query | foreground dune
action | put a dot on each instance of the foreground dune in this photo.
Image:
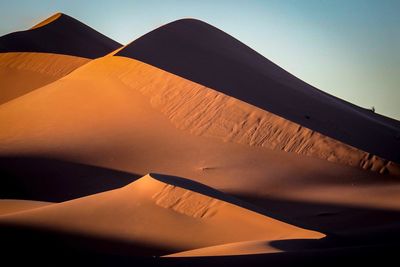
(229, 249)
(161, 211)
(15, 205)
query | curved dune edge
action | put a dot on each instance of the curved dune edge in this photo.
(192, 216)
(206, 112)
(47, 21)
(230, 249)
(8, 206)
(202, 53)
(60, 34)
(22, 72)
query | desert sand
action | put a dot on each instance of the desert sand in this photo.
(190, 214)
(48, 51)
(257, 182)
(21, 73)
(8, 206)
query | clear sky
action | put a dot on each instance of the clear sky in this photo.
(348, 48)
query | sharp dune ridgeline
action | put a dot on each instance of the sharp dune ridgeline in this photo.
(184, 147)
(47, 52)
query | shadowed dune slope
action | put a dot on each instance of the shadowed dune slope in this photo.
(161, 211)
(202, 53)
(60, 34)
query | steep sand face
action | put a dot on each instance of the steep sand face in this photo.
(206, 112)
(154, 210)
(20, 73)
(8, 206)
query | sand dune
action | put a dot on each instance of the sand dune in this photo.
(59, 34)
(229, 249)
(8, 206)
(204, 54)
(97, 117)
(192, 216)
(261, 168)
(46, 52)
(21, 73)
(102, 115)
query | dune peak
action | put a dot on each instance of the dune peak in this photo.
(59, 34)
(48, 20)
(206, 55)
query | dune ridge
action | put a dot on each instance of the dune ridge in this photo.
(21, 73)
(199, 52)
(8, 206)
(275, 172)
(59, 34)
(206, 112)
(47, 21)
(133, 213)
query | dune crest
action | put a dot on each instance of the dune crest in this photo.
(230, 249)
(201, 53)
(8, 206)
(48, 51)
(133, 213)
(20, 73)
(258, 145)
(206, 112)
(48, 20)
(60, 34)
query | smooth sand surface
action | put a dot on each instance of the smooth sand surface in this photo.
(8, 206)
(229, 249)
(21, 73)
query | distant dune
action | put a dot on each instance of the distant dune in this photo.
(59, 34)
(275, 170)
(202, 53)
(45, 53)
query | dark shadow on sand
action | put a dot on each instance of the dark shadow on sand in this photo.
(65, 35)
(56, 180)
(27, 245)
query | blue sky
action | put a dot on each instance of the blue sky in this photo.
(347, 48)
